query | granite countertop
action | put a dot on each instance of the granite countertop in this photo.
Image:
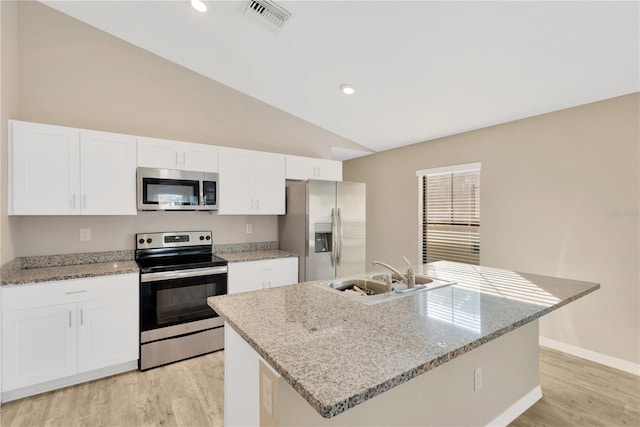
(317, 340)
(48, 268)
(255, 255)
(48, 274)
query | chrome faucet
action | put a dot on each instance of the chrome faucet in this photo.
(409, 278)
(396, 272)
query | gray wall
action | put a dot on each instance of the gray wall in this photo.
(34, 235)
(8, 108)
(62, 71)
(559, 196)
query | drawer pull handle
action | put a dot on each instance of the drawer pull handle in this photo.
(75, 292)
(81, 317)
(69, 318)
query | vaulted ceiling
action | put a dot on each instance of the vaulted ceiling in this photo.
(421, 69)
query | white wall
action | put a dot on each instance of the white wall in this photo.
(559, 196)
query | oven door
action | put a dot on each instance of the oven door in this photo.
(175, 297)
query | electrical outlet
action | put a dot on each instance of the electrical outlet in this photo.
(85, 234)
(477, 379)
(248, 228)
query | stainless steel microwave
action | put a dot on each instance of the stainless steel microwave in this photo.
(172, 189)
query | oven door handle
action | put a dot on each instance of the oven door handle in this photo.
(181, 274)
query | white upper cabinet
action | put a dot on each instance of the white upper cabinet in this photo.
(44, 169)
(167, 154)
(311, 168)
(108, 173)
(55, 170)
(251, 182)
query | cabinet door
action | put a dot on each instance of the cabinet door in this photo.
(284, 272)
(236, 181)
(245, 276)
(39, 344)
(199, 157)
(302, 168)
(269, 185)
(328, 170)
(107, 332)
(158, 153)
(44, 169)
(108, 173)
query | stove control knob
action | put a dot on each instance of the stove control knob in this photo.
(149, 240)
(201, 237)
(141, 241)
(208, 237)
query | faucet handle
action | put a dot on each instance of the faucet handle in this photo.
(410, 268)
(411, 275)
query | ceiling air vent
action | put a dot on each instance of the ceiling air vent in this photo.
(268, 11)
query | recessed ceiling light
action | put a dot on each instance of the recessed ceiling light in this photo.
(199, 5)
(347, 89)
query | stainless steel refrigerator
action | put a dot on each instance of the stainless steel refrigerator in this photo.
(325, 224)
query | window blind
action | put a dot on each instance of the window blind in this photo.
(451, 216)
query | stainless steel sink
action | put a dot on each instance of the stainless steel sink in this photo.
(372, 289)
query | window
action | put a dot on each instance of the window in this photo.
(450, 213)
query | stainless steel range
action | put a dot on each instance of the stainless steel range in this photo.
(178, 272)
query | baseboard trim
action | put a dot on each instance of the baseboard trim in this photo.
(518, 408)
(19, 393)
(603, 359)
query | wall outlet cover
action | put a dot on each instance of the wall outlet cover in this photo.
(85, 234)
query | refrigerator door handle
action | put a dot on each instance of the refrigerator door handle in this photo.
(339, 237)
(334, 230)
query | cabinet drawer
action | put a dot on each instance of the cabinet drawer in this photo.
(33, 295)
(261, 274)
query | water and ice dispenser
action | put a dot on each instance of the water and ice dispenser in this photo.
(323, 237)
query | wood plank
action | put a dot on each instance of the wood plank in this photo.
(576, 392)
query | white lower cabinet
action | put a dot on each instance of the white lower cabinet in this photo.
(39, 344)
(57, 330)
(105, 335)
(262, 274)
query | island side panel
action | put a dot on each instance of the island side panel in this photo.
(444, 395)
(241, 381)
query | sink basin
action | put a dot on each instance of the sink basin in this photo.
(373, 290)
(420, 279)
(368, 286)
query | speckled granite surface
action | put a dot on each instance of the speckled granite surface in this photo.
(245, 247)
(67, 266)
(255, 255)
(337, 352)
(45, 268)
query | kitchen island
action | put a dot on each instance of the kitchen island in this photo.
(463, 354)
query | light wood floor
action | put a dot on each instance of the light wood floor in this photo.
(190, 393)
(576, 392)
